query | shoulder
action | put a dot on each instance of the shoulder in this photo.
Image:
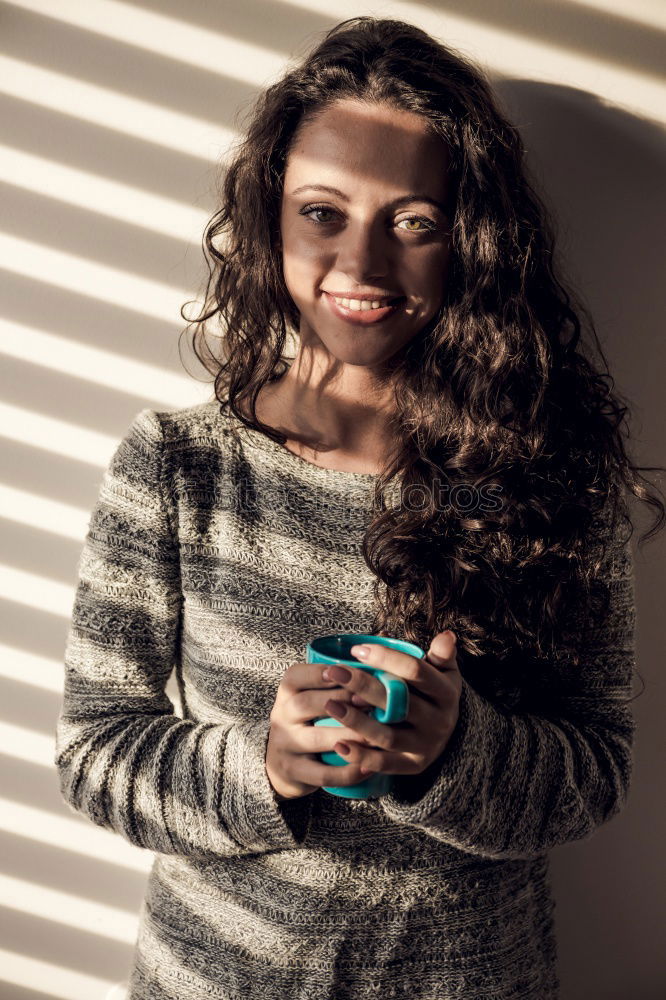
(195, 422)
(171, 446)
(610, 536)
(201, 426)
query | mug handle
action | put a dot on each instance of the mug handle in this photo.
(397, 699)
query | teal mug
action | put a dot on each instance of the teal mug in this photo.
(336, 649)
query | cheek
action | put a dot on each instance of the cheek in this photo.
(431, 277)
(299, 245)
(302, 263)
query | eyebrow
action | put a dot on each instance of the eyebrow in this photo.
(403, 200)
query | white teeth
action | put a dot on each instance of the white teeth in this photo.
(360, 305)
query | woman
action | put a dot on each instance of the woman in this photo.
(228, 534)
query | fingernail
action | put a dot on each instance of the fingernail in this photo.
(336, 709)
(360, 651)
(335, 673)
(342, 748)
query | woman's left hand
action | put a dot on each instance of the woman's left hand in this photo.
(408, 747)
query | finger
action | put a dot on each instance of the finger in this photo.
(319, 739)
(360, 682)
(442, 651)
(388, 737)
(305, 676)
(417, 672)
(418, 703)
(307, 705)
(379, 761)
(311, 771)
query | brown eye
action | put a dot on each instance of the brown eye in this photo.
(309, 209)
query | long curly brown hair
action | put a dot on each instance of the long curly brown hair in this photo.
(495, 395)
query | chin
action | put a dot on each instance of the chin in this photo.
(362, 356)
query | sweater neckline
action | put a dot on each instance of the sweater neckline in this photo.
(290, 459)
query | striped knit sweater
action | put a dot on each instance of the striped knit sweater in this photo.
(214, 550)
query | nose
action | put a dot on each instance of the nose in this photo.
(364, 252)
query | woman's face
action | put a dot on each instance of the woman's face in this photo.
(384, 231)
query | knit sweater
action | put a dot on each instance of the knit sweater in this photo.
(215, 551)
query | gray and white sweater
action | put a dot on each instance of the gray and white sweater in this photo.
(214, 550)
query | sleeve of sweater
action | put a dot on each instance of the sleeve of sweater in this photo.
(124, 758)
(515, 784)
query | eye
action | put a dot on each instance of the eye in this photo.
(309, 211)
(429, 226)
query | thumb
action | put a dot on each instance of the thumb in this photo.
(442, 651)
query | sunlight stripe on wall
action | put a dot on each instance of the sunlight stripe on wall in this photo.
(56, 436)
(121, 202)
(507, 53)
(166, 36)
(517, 56)
(107, 108)
(245, 61)
(66, 908)
(97, 281)
(28, 668)
(27, 744)
(38, 592)
(50, 980)
(58, 518)
(76, 834)
(92, 364)
(651, 13)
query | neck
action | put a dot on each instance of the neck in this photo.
(341, 407)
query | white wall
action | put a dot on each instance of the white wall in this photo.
(113, 117)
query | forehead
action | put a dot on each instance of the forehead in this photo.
(368, 145)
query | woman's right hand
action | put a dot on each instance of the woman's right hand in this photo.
(292, 762)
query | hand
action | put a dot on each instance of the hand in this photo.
(408, 747)
(292, 762)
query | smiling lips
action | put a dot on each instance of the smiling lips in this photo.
(362, 311)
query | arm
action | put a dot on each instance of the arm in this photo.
(124, 758)
(513, 785)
